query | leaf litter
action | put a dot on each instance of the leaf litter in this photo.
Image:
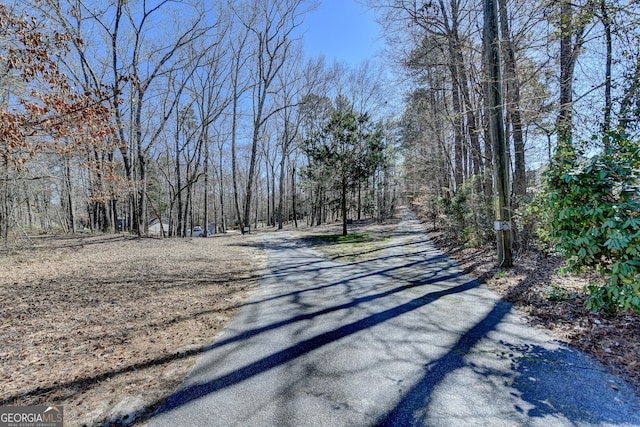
(105, 324)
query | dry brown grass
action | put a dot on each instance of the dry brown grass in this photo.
(106, 325)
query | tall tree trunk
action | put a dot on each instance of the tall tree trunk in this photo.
(566, 72)
(272, 219)
(513, 102)
(234, 165)
(488, 149)
(223, 223)
(179, 190)
(443, 158)
(293, 196)
(281, 187)
(118, 81)
(269, 195)
(205, 224)
(500, 160)
(460, 79)
(5, 206)
(606, 22)
(343, 205)
(141, 213)
(572, 30)
(457, 128)
(71, 217)
(472, 129)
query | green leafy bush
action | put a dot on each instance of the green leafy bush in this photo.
(531, 220)
(595, 218)
(470, 215)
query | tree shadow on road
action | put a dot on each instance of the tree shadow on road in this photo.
(411, 408)
(305, 346)
(543, 380)
(537, 370)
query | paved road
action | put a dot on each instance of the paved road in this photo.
(403, 338)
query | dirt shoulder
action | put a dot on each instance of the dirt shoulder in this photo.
(555, 301)
(106, 325)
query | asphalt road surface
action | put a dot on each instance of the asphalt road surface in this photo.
(403, 338)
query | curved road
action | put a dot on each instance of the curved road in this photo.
(403, 338)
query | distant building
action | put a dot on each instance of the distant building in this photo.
(155, 230)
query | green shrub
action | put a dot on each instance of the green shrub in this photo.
(532, 222)
(469, 214)
(595, 218)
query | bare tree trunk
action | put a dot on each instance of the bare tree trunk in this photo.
(252, 169)
(566, 71)
(281, 187)
(457, 129)
(272, 218)
(488, 149)
(570, 27)
(222, 193)
(71, 218)
(205, 224)
(5, 206)
(462, 105)
(293, 196)
(500, 160)
(178, 171)
(234, 165)
(513, 103)
(343, 205)
(606, 21)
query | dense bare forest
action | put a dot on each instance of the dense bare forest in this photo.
(194, 115)
(157, 117)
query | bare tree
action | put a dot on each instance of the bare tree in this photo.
(296, 84)
(512, 91)
(209, 88)
(239, 85)
(272, 26)
(572, 24)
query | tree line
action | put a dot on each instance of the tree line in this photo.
(570, 77)
(115, 114)
(121, 114)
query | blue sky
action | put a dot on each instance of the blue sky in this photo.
(342, 30)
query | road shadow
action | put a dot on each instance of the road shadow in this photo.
(411, 408)
(537, 371)
(303, 347)
(413, 281)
